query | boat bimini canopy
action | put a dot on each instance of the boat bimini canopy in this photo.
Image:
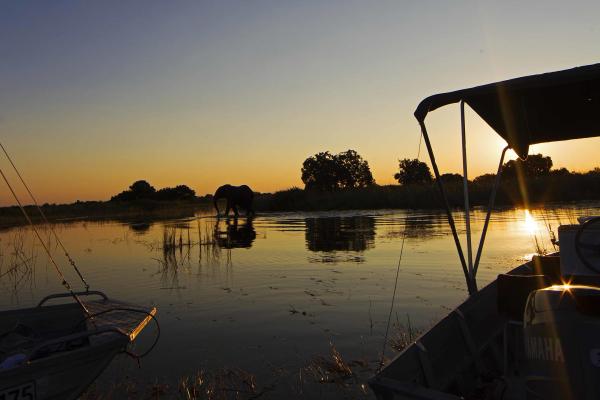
(534, 109)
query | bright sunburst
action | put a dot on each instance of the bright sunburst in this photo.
(531, 225)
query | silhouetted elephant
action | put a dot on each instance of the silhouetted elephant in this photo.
(236, 196)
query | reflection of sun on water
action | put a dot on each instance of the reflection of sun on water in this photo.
(534, 228)
(531, 225)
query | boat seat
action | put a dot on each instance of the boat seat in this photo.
(17, 340)
(22, 330)
(513, 291)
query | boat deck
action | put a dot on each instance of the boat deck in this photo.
(462, 353)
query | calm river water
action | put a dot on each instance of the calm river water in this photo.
(272, 295)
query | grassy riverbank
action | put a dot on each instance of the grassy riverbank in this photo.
(540, 190)
(101, 210)
(553, 188)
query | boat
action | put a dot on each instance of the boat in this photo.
(534, 332)
(61, 350)
(55, 350)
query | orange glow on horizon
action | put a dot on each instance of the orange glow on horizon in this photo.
(209, 93)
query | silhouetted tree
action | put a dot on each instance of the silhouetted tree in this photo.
(485, 179)
(126, 195)
(138, 190)
(412, 171)
(534, 165)
(327, 172)
(142, 189)
(560, 172)
(353, 171)
(451, 179)
(179, 192)
(319, 172)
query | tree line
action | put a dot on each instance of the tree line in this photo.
(344, 181)
(348, 170)
(142, 190)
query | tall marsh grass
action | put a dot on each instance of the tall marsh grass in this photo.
(18, 257)
(178, 245)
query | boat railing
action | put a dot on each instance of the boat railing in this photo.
(63, 295)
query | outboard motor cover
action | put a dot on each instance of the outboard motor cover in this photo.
(562, 343)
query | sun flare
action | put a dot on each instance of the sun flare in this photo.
(531, 225)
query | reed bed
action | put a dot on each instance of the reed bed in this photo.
(177, 244)
(224, 384)
(176, 237)
(331, 368)
(403, 336)
(17, 261)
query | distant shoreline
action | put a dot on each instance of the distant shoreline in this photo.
(555, 188)
(142, 210)
(542, 190)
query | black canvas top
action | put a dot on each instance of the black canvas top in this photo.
(541, 108)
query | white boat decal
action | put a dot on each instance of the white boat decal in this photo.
(544, 348)
(25, 391)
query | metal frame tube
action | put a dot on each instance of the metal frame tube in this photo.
(489, 212)
(471, 285)
(466, 191)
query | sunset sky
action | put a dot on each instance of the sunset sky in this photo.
(96, 95)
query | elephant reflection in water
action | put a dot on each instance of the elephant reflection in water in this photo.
(236, 235)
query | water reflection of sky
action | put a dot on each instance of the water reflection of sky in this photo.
(273, 291)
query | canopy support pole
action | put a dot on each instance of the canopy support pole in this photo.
(466, 192)
(470, 283)
(489, 211)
